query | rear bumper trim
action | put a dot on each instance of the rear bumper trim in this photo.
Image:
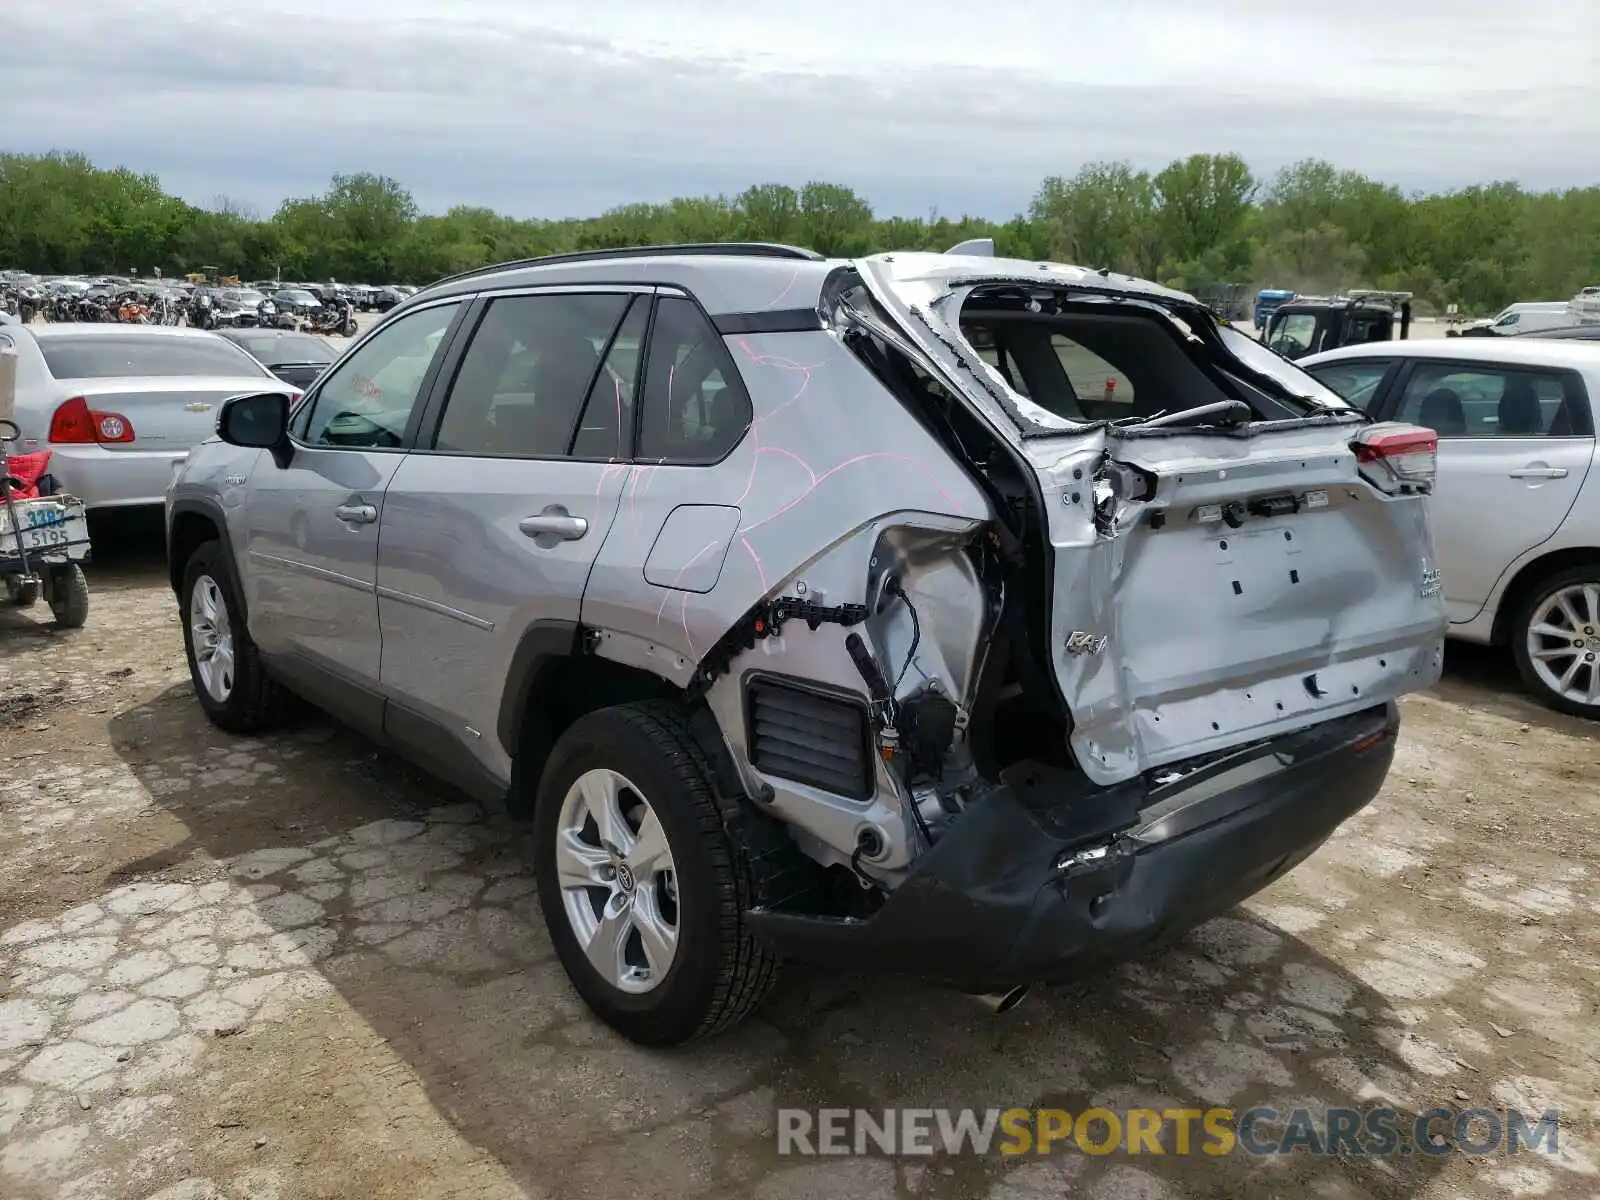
(1044, 877)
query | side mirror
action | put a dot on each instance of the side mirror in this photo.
(259, 422)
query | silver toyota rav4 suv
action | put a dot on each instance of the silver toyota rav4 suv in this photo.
(939, 614)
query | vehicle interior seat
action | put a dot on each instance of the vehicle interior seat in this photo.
(1442, 412)
(1520, 410)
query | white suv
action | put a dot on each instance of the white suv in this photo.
(1516, 511)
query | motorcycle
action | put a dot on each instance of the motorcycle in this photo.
(337, 318)
(270, 316)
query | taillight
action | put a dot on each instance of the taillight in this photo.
(75, 423)
(1399, 457)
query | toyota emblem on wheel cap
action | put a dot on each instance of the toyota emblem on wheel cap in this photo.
(625, 879)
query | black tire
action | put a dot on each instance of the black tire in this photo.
(21, 595)
(68, 592)
(255, 702)
(1522, 619)
(728, 858)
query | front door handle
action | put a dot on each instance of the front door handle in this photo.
(1540, 473)
(361, 514)
(554, 521)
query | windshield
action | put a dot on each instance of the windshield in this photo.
(293, 296)
(113, 357)
(1264, 362)
(290, 348)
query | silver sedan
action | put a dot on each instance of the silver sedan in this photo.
(118, 405)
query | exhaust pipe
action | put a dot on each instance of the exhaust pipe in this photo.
(999, 1003)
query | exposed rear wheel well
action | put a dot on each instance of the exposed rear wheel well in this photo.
(1527, 579)
(565, 687)
(190, 531)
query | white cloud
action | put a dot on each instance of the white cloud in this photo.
(539, 108)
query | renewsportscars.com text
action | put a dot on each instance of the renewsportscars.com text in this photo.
(1374, 1132)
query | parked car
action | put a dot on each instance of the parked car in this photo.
(386, 298)
(1517, 512)
(295, 358)
(297, 302)
(817, 632)
(119, 404)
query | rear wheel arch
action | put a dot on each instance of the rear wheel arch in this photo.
(553, 682)
(1528, 579)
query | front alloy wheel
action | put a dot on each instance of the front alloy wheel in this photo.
(1558, 642)
(230, 681)
(618, 881)
(212, 638)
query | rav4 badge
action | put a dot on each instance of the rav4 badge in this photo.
(1079, 642)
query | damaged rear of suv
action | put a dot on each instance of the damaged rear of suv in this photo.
(973, 619)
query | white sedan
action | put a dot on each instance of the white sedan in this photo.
(117, 405)
(1516, 509)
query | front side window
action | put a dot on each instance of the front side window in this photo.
(1492, 401)
(526, 374)
(1104, 393)
(695, 407)
(366, 401)
(1295, 334)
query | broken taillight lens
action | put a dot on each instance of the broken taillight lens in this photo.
(1398, 457)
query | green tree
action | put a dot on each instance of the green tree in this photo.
(1200, 220)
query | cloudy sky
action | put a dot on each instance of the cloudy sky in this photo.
(546, 108)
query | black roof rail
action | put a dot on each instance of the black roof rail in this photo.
(728, 249)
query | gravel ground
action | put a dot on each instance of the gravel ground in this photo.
(289, 967)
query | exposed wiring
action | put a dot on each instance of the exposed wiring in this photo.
(894, 588)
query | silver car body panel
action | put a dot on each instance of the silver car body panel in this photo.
(1488, 523)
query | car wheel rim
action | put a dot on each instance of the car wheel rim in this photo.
(618, 881)
(1564, 643)
(212, 637)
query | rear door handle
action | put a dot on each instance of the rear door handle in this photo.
(361, 514)
(554, 521)
(1540, 473)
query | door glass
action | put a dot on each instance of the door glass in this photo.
(1104, 393)
(1294, 334)
(524, 377)
(1356, 381)
(1488, 401)
(695, 406)
(606, 431)
(366, 400)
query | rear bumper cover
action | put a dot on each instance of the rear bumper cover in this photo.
(115, 478)
(1045, 876)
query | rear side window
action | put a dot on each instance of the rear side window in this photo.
(89, 357)
(1485, 401)
(695, 407)
(1355, 381)
(527, 373)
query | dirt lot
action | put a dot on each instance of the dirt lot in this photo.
(289, 967)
